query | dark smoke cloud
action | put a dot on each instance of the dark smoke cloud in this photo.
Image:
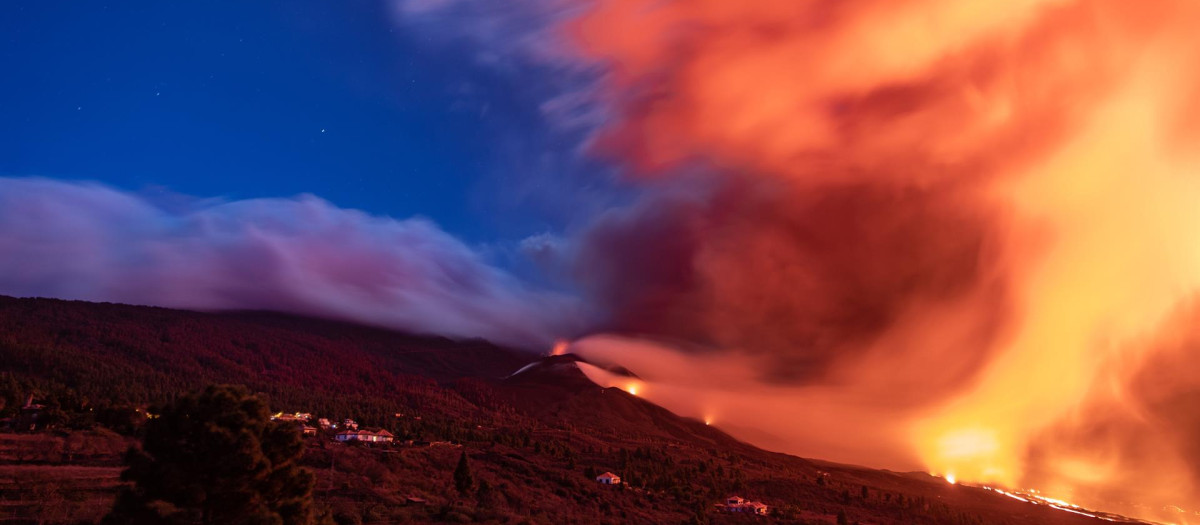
(303, 255)
(782, 211)
(807, 278)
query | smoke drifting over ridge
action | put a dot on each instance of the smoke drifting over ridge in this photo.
(302, 255)
(934, 234)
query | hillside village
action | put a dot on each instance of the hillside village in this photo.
(348, 432)
(31, 421)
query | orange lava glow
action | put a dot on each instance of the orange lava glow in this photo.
(560, 347)
(1040, 332)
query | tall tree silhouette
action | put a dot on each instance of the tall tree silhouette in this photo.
(216, 457)
(462, 475)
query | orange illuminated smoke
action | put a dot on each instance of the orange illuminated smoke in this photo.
(1003, 200)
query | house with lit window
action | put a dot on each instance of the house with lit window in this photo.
(365, 436)
(608, 478)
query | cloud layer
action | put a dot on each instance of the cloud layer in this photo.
(304, 255)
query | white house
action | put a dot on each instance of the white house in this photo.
(608, 478)
(737, 504)
(365, 436)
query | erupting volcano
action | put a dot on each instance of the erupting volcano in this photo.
(934, 234)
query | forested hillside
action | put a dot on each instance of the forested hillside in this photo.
(533, 442)
(83, 355)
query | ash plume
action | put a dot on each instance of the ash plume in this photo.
(938, 231)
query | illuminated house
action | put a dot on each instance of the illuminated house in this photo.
(298, 416)
(608, 478)
(737, 504)
(365, 436)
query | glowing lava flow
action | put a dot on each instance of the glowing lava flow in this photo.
(1034, 497)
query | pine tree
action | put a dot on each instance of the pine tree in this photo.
(462, 475)
(216, 457)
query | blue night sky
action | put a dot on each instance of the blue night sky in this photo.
(240, 100)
